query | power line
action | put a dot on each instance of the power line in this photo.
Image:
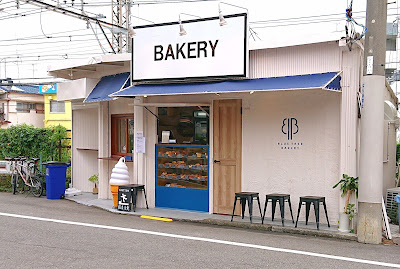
(17, 15)
(105, 4)
(60, 41)
(65, 55)
(45, 50)
(48, 37)
(304, 23)
(29, 62)
(37, 36)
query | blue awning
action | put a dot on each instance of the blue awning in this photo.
(327, 81)
(108, 85)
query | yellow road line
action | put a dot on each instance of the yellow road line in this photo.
(155, 218)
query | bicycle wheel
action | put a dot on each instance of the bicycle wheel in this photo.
(14, 183)
(19, 184)
(36, 187)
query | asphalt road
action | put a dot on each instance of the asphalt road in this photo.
(68, 235)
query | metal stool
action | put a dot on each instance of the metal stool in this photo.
(134, 190)
(281, 198)
(249, 196)
(316, 200)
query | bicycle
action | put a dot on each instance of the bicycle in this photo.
(38, 173)
(23, 177)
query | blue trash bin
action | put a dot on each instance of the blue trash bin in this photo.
(397, 198)
(56, 175)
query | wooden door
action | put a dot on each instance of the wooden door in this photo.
(227, 154)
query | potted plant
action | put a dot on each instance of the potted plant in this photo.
(352, 215)
(95, 180)
(348, 185)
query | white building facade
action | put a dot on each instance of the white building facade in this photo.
(294, 140)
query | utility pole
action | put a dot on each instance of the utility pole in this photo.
(369, 227)
(121, 12)
(117, 30)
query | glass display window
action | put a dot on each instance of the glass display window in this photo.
(186, 125)
(182, 167)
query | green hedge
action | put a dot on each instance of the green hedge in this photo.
(398, 153)
(27, 140)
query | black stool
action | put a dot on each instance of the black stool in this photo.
(249, 196)
(281, 198)
(134, 190)
(316, 200)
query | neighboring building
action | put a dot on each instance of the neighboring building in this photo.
(56, 112)
(391, 52)
(20, 104)
(292, 127)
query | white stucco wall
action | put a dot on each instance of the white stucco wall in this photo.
(84, 147)
(312, 168)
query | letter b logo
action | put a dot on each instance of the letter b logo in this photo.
(290, 127)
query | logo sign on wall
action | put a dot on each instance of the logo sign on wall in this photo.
(206, 50)
(48, 88)
(290, 127)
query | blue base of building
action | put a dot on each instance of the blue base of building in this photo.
(182, 198)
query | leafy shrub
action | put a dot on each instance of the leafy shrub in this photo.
(393, 214)
(26, 140)
(5, 183)
(398, 153)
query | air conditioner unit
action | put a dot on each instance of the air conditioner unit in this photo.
(391, 203)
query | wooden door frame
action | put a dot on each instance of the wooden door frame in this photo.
(215, 146)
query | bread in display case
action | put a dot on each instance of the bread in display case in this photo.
(182, 166)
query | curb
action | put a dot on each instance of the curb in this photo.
(243, 225)
(277, 229)
(250, 226)
(319, 233)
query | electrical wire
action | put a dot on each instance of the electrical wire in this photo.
(45, 50)
(29, 62)
(41, 26)
(351, 22)
(17, 15)
(326, 18)
(41, 37)
(50, 42)
(65, 55)
(72, 7)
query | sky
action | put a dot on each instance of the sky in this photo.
(35, 39)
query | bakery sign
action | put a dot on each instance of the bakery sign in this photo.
(207, 49)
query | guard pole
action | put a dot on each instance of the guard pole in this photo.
(369, 227)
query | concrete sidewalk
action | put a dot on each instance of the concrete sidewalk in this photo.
(90, 199)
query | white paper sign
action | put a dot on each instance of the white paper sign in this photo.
(140, 144)
(207, 49)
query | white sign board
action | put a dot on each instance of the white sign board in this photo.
(140, 146)
(207, 49)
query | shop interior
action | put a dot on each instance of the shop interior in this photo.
(183, 125)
